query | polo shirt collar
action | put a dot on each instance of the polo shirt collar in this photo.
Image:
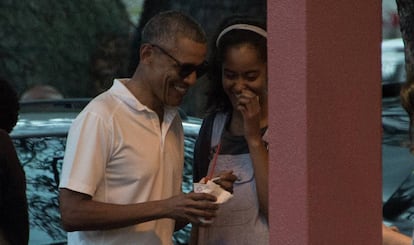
(122, 92)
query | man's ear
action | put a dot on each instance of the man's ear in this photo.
(146, 53)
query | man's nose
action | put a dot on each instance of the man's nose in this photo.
(191, 79)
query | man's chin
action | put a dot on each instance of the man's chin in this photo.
(174, 103)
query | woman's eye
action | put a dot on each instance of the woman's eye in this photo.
(230, 75)
(251, 76)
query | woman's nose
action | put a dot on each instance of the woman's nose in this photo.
(239, 86)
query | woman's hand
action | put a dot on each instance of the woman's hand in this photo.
(249, 106)
(226, 180)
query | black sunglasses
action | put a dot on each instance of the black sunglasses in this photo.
(185, 69)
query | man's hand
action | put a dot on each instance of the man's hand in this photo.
(192, 206)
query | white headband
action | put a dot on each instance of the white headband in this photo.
(247, 27)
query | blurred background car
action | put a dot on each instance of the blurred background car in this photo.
(397, 160)
(397, 167)
(392, 66)
(40, 138)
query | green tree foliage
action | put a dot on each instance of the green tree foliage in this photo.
(56, 42)
(406, 14)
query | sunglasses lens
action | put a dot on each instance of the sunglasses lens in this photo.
(186, 70)
(200, 70)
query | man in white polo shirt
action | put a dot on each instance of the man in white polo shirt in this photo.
(122, 171)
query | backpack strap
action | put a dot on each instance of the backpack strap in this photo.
(208, 137)
(218, 126)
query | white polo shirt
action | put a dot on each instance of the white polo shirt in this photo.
(118, 153)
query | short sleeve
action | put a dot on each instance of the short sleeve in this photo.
(87, 152)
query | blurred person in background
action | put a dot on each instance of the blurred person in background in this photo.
(14, 221)
(41, 92)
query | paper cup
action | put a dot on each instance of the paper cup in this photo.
(202, 188)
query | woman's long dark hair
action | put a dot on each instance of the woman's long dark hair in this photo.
(407, 102)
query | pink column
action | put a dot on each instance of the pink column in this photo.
(325, 121)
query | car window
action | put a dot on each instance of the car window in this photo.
(41, 158)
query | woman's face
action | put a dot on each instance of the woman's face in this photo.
(244, 71)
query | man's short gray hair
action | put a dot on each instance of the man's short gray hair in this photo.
(166, 27)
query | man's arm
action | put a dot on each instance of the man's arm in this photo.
(80, 212)
(392, 237)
